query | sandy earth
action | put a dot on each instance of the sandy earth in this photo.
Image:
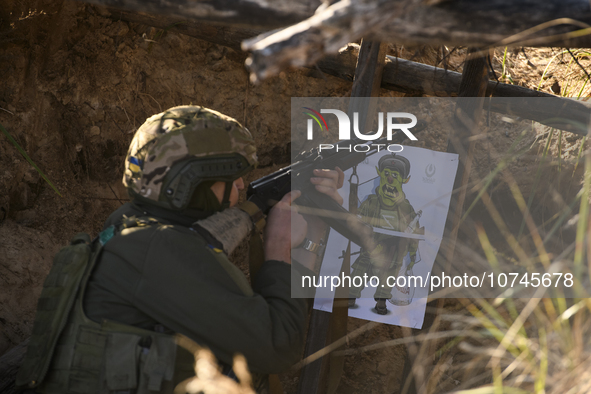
(76, 84)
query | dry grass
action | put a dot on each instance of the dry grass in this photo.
(208, 377)
(536, 345)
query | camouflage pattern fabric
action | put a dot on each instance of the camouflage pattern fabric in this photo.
(178, 134)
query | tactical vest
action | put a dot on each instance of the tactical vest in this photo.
(69, 353)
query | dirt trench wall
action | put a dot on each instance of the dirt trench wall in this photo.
(25, 256)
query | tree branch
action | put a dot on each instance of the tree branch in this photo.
(482, 23)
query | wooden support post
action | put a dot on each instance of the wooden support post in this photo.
(311, 379)
(368, 77)
(467, 115)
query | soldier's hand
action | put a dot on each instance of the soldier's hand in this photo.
(328, 182)
(285, 229)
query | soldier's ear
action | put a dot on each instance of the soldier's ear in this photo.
(406, 180)
(378, 171)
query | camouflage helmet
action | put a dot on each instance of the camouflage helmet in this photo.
(176, 150)
(397, 162)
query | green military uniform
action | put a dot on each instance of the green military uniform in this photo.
(108, 311)
(389, 260)
(167, 275)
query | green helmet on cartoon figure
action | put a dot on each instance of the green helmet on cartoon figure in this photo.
(176, 150)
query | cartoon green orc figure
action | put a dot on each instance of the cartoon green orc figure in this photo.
(389, 209)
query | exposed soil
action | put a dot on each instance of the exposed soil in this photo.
(75, 85)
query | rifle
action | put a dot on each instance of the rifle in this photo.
(268, 190)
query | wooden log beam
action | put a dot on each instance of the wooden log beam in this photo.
(410, 77)
(399, 74)
(254, 13)
(482, 23)
(435, 22)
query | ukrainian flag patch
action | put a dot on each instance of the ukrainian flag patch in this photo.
(217, 250)
(134, 164)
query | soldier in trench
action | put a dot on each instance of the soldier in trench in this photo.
(160, 269)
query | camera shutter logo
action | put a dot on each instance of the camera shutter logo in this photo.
(430, 170)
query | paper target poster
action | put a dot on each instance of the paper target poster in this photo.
(405, 197)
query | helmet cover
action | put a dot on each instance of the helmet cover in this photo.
(165, 146)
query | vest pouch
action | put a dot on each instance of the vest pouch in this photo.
(136, 364)
(122, 355)
(53, 308)
(158, 365)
